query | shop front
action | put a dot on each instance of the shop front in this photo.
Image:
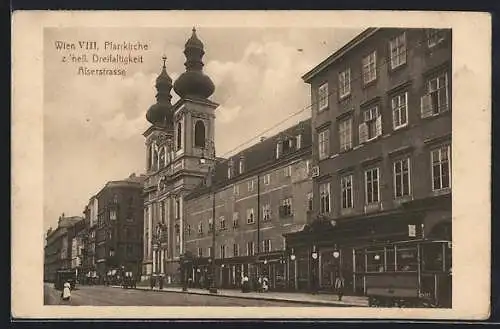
(329, 248)
(273, 266)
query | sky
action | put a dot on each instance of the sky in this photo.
(93, 125)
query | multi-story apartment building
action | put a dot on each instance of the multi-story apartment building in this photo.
(57, 251)
(76, 238)
(88, 236)
(118, 231)
(260, 193)
(381, 122)
(175, 141)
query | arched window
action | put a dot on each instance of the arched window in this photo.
(162, 157)
(179, 136)
(155, 157)
(199, 134)
(149, 153)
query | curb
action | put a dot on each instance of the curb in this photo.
(292, 301)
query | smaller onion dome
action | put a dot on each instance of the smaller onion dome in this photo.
(160, 114)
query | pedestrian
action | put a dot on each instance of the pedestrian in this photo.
(265, 284)
(339, 285)
(152, 282)
(244, 283)
(161, 282)
(66, 293)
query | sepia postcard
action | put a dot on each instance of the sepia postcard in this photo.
(251, 164)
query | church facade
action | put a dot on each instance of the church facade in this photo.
(176, 140)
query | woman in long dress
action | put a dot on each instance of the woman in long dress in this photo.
(66, 293)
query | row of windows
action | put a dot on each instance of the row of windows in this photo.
(397, 57)
(285, 210)
(434, 102)
(250, 249)
(441, 179)
(266, 179)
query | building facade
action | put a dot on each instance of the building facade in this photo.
(256, 195)
(381, 123)
(175, 142)
(118, 230)
(88, 239)
(57, 250)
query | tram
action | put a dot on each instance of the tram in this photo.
(415, 273)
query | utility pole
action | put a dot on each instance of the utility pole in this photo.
(258, 222)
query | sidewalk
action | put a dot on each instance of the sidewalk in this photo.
(292, 297)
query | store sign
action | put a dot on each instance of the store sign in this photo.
(412, 231)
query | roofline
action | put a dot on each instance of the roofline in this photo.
(339, 53)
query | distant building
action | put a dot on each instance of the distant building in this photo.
(57, 250)
(117, 233)
(382, 126)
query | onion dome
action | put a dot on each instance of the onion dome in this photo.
(160, 114)
(194, 83)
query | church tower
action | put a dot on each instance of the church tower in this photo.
(180, 135)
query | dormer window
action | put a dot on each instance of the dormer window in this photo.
(298, 141)
(229, 172)
(242, 165)
(279, 148)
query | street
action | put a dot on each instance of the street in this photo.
(108, 296)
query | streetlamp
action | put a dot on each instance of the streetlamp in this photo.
(211, 173)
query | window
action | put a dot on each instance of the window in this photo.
(250, 248)
(188, 230)
(236, 189)
(371, 127)
(199, 134)
(298, 141)
(310, 201)
(229, 172)
(250, 185)
(266, 212)
(250, 217)
(200, 228)
(236, 250)
(370, 67)
(210, 225)
(441, 169)
(279, 145)
(402, 178)
(222, 222)
(323, 97)
(223, 251)
(242, 165)
(266, 245)
(436, 99)
(287, 171)
(200, 252)
(177, 208)
(346, 187)
(162, 212)
(130, 249)
(398, 50)
(267, 179)
(162, 157)
(323, 144)
(112, 215)
(324, 201)
(345, 134)
(434, 37)
(344, 83)
(372, 185)
(179, 136)
(400, 111)
(210, 252)
(406, 259)
(286, 207)
(236, 219)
